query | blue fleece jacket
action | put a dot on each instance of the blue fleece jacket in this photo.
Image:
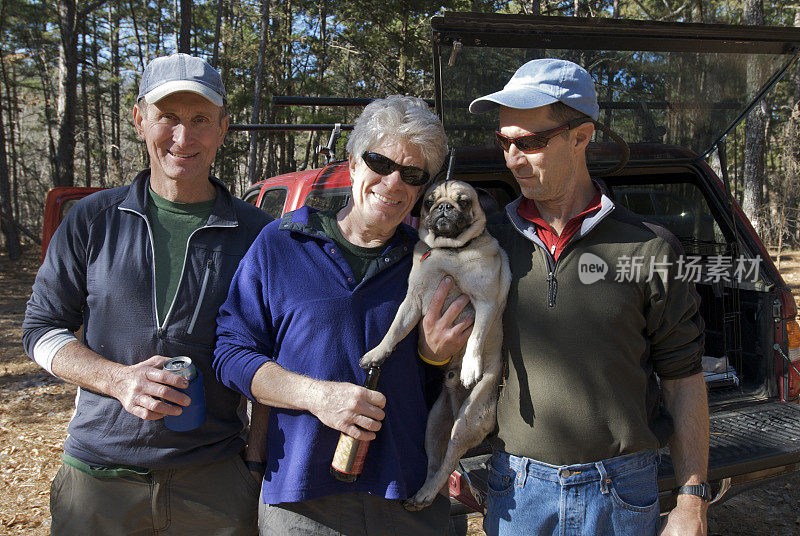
(294, 300)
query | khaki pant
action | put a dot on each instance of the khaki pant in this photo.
(353, 514)
(215, 499)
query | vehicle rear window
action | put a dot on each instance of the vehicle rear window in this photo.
(273, 201)
(66, 206)
(251, 196)
(684, 99)
(680, 207)
(330, 199)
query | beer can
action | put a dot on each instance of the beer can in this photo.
(182, 366)
(194, 414)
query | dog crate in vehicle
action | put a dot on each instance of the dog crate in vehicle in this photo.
(710, 259)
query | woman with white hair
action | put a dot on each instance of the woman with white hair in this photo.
(313, 294)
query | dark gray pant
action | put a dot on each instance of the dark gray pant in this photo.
(353, 514)
(216, 499)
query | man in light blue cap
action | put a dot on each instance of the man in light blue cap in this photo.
(579, 419)
(144, 269)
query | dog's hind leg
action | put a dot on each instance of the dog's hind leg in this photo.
(408, 315)
(440, 421)
(474, 422)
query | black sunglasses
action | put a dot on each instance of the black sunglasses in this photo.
(529, 143)
(382, 165)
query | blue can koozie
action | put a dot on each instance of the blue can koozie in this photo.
(194, 415)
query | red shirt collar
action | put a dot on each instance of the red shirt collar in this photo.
(555, 243)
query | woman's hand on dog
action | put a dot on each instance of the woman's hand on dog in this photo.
(439, 337)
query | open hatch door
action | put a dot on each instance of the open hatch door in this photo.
(680, 85)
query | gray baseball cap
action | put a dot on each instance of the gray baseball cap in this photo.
(181, 72)
(542, 82)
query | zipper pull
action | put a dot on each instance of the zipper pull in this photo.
(552, 288)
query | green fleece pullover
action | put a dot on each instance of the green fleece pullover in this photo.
(582, 348)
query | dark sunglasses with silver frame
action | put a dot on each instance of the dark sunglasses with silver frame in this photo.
(382, 165)
(529, 143)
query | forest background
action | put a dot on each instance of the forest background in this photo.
(69, 74)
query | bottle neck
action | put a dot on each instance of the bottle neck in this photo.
(372, 378)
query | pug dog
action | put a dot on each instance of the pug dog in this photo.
(454, 241)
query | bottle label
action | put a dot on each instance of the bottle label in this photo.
(349, 455)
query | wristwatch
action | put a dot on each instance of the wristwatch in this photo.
(702, 490)
(258, 467)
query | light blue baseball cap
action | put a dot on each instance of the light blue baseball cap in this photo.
(181, 72)
(542, 82)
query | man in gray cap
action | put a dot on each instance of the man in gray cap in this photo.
(579, 420)
(144, 268)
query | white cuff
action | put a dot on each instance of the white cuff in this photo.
(49, 344)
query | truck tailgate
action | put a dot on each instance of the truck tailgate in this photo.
(748, 443)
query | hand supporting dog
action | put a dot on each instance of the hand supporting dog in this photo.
(440, 336)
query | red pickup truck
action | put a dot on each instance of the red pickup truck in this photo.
(674, 92)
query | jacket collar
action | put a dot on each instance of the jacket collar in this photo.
(528, 228)
(403, 239)
(223, 213)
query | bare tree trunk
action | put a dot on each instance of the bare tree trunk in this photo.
(67, 92)
(15, 142)
(13, 119)
(8, 228)
(792, 153)
(177, 17)
(47, 91)
(736, 169)
(697, 11)
(116, 158)
(217, 29)
(159, 29)
(142, 58)
(87, 147)
(754, 133)
(100, 141)
(184, 40)
(255, 116)
(403, 60)
(288, 151)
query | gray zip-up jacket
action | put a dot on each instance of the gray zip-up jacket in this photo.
(99, 273)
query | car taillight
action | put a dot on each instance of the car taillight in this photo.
(793, 335)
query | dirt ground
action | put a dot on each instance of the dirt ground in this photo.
(35, 409)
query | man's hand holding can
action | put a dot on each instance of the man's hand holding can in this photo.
(148, 391)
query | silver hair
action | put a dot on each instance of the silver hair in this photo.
(404, 120)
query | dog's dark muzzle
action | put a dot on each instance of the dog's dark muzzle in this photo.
(447, 221)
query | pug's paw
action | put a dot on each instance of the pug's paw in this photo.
(374, 358)
(419, 501)
(470, 372)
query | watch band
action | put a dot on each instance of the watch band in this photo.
(702, 490)
(258, 467)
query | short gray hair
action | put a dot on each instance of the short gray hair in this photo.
(401, 119)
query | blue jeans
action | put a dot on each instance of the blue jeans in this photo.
(613, 497)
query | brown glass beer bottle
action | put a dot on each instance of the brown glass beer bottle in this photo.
(348, 460)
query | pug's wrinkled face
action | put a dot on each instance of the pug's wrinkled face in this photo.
(451, 208)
